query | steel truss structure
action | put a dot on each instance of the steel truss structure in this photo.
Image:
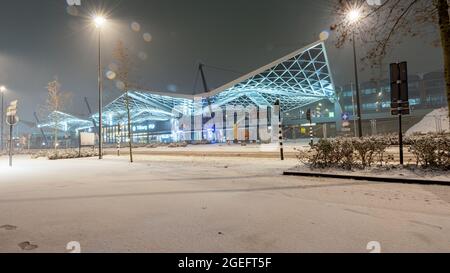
(65, 122)
(298, 79)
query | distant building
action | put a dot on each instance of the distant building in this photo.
(426, 93)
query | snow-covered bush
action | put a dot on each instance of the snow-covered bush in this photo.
(152, 146)
(368, 149)
(65, 154)
(346, 153)
(431, 150)
(39, 154)
(177, 145)
(325, 153)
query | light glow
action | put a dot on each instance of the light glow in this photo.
(99, 21)
(354, 15)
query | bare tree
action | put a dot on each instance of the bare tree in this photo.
(121, 56)
(56, 102)
(384, 23)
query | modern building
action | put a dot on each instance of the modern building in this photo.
(297, 80)
(426, 93)
(61, 127)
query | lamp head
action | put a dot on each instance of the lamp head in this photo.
(2, 88)
(354, 15)
(99, 21)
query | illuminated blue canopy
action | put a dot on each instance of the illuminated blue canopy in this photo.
(65, 122)
(298, 79)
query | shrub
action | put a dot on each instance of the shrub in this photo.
(431, 151)
(346, 153)
(178, 145)
(65, 154)
(325, 154)
(369, 148)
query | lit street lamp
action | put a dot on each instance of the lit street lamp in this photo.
(353, 16)
(99, 22)
(2, 91)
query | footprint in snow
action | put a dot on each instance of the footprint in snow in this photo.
(27, 246)
(8, 227)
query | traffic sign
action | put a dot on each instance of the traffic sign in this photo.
(399, 98)
(345, 116)
(399, 89)
(12, 120)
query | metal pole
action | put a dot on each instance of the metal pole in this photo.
(100, 98)
(400, 137)
(2, 135)
(10, 144)
(358, 101)
(355, 129)
(280, 129)
(118, 140)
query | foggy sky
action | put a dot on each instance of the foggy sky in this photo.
(40, 40)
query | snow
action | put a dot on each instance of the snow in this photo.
(210, 204)
(432, 122)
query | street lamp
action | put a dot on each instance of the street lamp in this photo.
(353, 16)
(2, 117)
(99, 22)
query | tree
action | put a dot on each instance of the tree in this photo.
(384, 22)
(56, 102)
(122, 72)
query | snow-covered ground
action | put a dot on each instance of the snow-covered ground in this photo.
(210, 204)
(395, 172)
(435, 121)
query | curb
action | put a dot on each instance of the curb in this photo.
(370, 178)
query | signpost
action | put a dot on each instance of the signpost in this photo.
(86, 140)
(345, 122)
(11, 119)
(311, 130)
(118, 138)
(280, 129)
(399, 97)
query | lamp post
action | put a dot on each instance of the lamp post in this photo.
(99, 21)
(2, 136)
(353, 16)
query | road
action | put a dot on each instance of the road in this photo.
(210, 204)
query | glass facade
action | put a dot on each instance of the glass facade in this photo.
(297, 81)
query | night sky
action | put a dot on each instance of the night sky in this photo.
(40, 40)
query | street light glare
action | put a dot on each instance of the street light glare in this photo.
(99, 21)
(354, 15)
(2, 88)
